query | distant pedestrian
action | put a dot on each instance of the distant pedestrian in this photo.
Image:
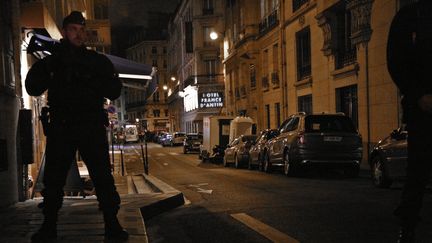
(409, 58)
(77, 81)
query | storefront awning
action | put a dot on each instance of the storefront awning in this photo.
(144, 75)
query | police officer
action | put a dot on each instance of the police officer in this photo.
(409, 59)
(77, 81)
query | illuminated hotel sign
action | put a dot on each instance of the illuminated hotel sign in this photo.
(210, 100)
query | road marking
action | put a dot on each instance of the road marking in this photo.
(165, 164)
(198, 185)
(263, 229)
(173, 153)
(160, 154)
(200, 190)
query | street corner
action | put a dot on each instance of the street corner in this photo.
(168, 198)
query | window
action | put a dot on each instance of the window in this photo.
(164, 63)
(7, 62)
(100, 10)
(292, 125)
(346, 51)
(154, 63)
(278, 114)
(189, 36)
(346, 102)
(298, 3)
(154, 50)
(166, 113)
(305, 104)
(210, 66)
(156, 97)
(156, 113)
(252, 75)
(164, 50)
(267, 112)
(208, 7)
(303, 47)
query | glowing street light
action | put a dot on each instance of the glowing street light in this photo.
(165, 87)
(173, 78)
(214, 35)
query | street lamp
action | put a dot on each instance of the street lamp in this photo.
(214, 35)
(165, 87)
(173, 78)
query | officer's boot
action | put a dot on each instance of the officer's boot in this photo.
(48, 230)
(113, 229)
(406, 234)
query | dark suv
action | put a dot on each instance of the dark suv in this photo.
(328, 140)
(192, 142)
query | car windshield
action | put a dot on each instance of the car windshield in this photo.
(329, 123)
(248, 138)
(194, 137)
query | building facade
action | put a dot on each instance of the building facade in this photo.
(283, 57)
(152, 114)
(195, 63)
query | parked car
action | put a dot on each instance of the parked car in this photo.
(177, 138)
(192, 142)
(257, 151)
(388, 159)
(166, 140)
(327, 140)
(237, 151)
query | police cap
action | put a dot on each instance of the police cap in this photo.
(74, 17)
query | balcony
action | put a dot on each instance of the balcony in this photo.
(204, 79)
(132, 105)
(346, 58)
(269, 22)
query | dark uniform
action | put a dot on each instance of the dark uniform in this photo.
(409, 58)
(77, 81)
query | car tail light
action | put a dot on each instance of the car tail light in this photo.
(301, 138)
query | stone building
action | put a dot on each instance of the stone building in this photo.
(195, 63)
(152, 113)
(11, 166)
(284, 57)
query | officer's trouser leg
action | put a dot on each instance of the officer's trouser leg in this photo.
(96, 156)
(418, 173)
(59, 156)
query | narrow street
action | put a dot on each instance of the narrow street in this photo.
(241, 205)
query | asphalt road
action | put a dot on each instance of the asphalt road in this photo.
(240, 205)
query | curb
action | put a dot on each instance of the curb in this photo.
(173, 199)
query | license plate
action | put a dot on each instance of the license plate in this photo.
(332, 139)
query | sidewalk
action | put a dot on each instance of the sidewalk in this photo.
(80, 220)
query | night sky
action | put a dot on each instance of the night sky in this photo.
(134, 12)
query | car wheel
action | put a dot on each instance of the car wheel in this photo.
(267, 165)
(379, 174)
(288, 167)
(261, 162)
(250, 166)
(236, 162)
(185, 151)
(225, 163)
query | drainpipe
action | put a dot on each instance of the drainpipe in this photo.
(367, 101)
(283, 59)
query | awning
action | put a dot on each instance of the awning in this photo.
(41, 46)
